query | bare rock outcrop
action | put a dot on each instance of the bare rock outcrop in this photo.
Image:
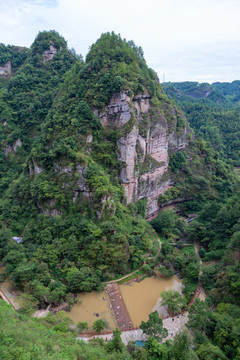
(9, 148)
(34, 168)
(118, 112)
(144, 150)
(49, 54)
(6, 69)
(148, 132)
(17, 144)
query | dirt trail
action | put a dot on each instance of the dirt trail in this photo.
(196, 248)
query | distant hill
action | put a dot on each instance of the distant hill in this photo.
(213, 112)
(225, 94)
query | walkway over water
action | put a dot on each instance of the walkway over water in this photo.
(118, 306)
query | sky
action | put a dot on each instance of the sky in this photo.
(182, 40)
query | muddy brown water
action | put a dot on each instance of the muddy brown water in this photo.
(140, 298)
(93, 303)
(144, 297)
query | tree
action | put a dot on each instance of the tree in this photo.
(81, 279)
(182, 347)
(99, 325)
(154, 327)
(198, 316)
(59, 322)
(146, 268)
(202, 253)
(24, 272)
(28, 304)
(192, 271)
(173, 300)
(156, 350)
(179, 159)
(13, 259)
(165, 222)
(82, 325)
(210, 352)
(116, 344)
(39, 291)
(5, 236)
(57, 293)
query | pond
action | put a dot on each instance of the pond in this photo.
(144, 297)
(90, 305)
(141, 298)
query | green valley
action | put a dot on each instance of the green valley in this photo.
(105, 172)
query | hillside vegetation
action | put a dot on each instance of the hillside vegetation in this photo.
(64, 189)
(213, 112)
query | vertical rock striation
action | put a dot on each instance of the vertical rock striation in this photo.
(150, 133)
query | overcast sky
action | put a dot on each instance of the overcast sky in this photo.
(194, 40)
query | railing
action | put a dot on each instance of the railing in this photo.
(90, 334)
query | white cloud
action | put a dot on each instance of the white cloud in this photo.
(182, 38)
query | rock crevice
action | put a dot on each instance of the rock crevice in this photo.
(144, 150)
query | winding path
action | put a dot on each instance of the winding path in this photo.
(132, 273)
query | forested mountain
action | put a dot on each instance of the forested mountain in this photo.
(213, 112)
(75, 135)
(91, 148)
(226, 94)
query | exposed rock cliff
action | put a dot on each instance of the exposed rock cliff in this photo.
(110, 102)
(49, 54)
(144, 149)
(9, 148)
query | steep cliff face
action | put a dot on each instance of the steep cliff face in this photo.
(144, 149)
